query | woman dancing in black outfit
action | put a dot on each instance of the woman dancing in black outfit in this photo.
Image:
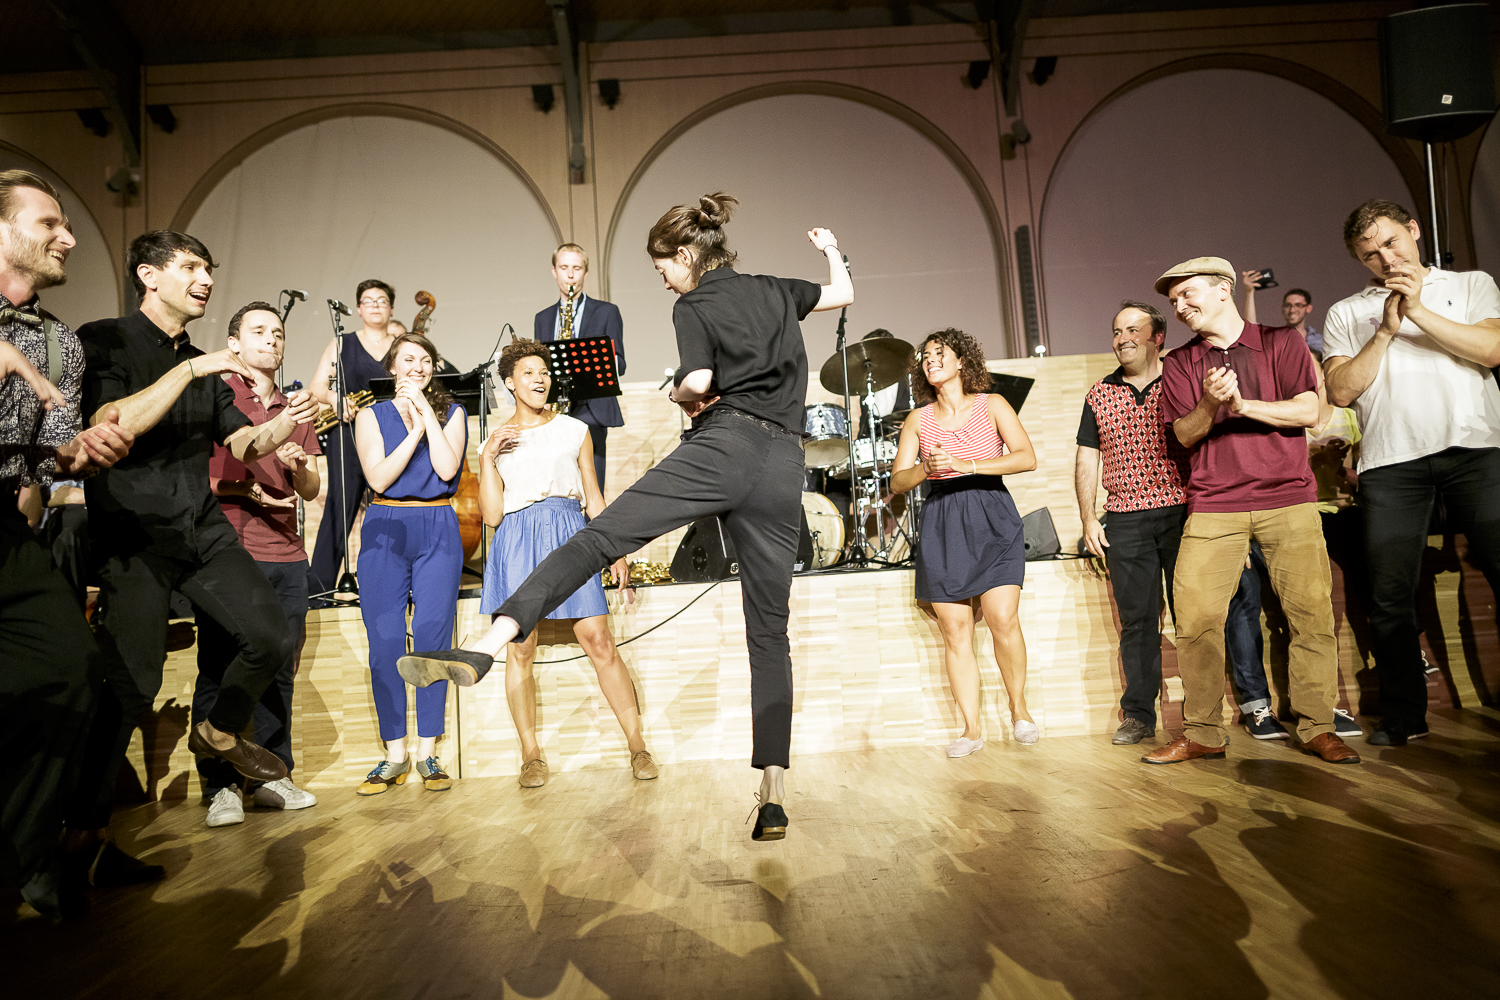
(743, 380)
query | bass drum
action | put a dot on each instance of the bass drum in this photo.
(827, 441)
(826, 526)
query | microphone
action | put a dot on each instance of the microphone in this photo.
(295, 293)
(339, 307)
(668, 373)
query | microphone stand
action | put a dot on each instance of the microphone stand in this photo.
(346, 590)
(853, 555)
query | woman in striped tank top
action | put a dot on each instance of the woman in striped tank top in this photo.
(971, 546)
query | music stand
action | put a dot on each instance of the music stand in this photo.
(583, 369)
(1013, 388)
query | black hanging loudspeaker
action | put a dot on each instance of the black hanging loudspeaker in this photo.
(1436, 71)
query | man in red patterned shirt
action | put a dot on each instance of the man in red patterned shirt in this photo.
(1144, 472)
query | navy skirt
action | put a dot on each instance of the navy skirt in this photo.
(526, 537)
(971, 540)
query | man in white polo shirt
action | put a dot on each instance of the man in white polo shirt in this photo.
(1412, 353)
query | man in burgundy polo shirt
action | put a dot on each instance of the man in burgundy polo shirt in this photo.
(1239, 396)
(259, 501)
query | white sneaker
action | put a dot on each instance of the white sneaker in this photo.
(962, 747)
(282, 794)
(227, 808)
(1027, 732)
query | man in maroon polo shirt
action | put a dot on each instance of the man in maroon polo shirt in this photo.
(1239, 396)
(260, 500)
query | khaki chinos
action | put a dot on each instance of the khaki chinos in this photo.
(1214, 548)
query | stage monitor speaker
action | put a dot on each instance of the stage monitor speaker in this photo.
(1436, 71)
(1041, 535)
(705, 553)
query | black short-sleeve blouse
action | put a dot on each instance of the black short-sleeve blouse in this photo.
(744, 327)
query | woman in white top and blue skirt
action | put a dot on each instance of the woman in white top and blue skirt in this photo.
(536, 479)
(972, 548)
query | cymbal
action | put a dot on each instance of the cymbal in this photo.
(893, 420)
(888, 360)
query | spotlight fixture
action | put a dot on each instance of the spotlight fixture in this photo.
(93, 119)
(1042, 71)
(161, 114)
(541, 94)
(609, 90)
(1021, 132)
(979, 71)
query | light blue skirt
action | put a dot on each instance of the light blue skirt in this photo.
(524, 539)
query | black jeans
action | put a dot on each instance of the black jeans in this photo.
(731, 464)
(1142, 547)
(1398, 502)
(131, 625)
(342, 503)
(50, 671)
(273, 713)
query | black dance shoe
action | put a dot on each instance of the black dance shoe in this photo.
(770, 822)
(112, 868)
(460, 666)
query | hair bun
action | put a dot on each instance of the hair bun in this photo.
(715, 209)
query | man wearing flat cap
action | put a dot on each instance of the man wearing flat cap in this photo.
(1239, 397)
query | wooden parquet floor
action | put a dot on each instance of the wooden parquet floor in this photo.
(1067, 869)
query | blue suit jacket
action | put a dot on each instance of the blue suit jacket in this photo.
(600, 319)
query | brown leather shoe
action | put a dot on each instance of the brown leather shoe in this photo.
(250, 760)
(1332, 749)
(1182, 749)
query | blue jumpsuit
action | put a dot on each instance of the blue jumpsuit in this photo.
(410, 552)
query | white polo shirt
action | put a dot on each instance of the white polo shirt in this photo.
(1423, 400)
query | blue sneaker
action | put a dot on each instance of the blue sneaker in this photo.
(1262, 725)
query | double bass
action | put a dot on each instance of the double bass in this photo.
(466, 497)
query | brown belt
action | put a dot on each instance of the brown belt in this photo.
(393, 502)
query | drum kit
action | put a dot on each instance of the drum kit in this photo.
(882, 528)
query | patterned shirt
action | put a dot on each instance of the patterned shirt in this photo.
(1144, 466)
(976, 441)
(20, 408)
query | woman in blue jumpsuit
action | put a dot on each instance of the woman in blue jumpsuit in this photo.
(409, 550)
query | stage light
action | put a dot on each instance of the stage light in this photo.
(541, 93)
(979, 71)
(1043, 69)
(93, 119)
(162, 115)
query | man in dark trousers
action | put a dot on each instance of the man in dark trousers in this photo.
(52, 677)
(155, 524)
(574, 316)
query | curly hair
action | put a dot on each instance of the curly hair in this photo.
(518, 349)
(975, 376)
(437, 397)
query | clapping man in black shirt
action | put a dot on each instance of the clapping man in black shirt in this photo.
(156, 524)
(743, 380)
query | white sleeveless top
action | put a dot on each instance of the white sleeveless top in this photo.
(544, 463)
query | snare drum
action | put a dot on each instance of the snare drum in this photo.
(827, 435)
(867, 451)
(826, 526)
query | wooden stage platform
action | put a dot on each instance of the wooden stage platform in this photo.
(1065, 869)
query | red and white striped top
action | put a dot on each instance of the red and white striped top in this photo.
(975, 441)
